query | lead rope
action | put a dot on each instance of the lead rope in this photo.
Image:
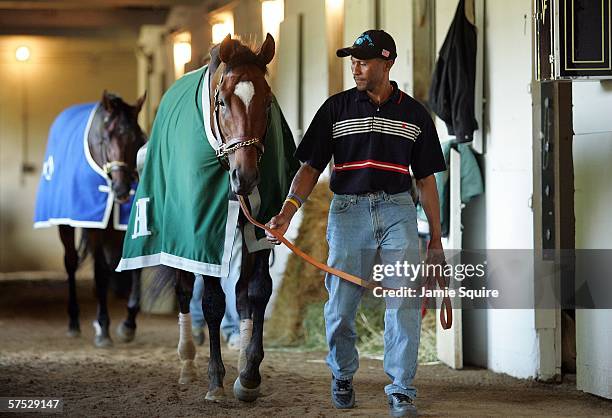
(446, 314)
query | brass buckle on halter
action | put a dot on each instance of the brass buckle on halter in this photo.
(113, 166)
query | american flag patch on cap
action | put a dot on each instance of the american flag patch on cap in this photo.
(385, 53)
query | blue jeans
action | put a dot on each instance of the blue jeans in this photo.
(362, 229)
(230, 324)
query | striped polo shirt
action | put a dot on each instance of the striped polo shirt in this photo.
(374, 148)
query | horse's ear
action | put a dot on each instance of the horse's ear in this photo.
(266, 52)
(214, 57)
(227, 49)
(106, 101)
(139, 103)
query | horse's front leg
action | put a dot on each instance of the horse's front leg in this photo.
(213, 305)
(126, 331)
(186, 348)
(101, 323)
(247, 385)
(71, 263)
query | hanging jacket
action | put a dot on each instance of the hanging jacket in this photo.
(471, 184)
(451, 95)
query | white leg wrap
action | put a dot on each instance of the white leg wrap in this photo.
(186, 347)
(246, 331)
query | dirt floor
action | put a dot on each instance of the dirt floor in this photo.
(140, 378)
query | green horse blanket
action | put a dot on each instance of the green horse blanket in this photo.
(184, 214)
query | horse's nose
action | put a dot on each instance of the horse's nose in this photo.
(242, 182)
(122, 192)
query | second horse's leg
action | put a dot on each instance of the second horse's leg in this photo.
(126, 331)
(213, 305)
(71, 262)
(186, 347)
(101, 323)
(246, 386)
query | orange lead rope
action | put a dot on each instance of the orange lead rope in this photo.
(446, 313)
(445, 320)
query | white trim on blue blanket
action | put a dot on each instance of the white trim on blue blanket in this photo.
(206, 110)
(117, 218)
(67, 221)
(95, 167)
(169, 260)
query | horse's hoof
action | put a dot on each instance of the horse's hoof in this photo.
(103, 342)
(188, 373)
(73, 333)
(101, 338)
(217, 394)
(125, 334)
(245, 394)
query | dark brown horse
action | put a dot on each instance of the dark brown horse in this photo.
(113, 140)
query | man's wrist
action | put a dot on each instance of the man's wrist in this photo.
(435, 236)
(288, 210)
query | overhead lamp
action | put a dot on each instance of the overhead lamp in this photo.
(223, 24)
(272, 14)
(181, 52)
(22, 54)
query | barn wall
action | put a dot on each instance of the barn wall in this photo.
(512, 343)
(593, 198)
(502, 340)
(61, 72)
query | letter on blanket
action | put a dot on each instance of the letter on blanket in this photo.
(141, 228)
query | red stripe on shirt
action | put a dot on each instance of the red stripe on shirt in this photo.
(379, 165)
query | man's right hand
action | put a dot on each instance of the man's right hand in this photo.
(279, 223)
(303, 183)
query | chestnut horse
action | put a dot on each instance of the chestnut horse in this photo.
(215, 118)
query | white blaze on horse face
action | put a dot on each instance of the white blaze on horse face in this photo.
(141, 229)
(245, 90)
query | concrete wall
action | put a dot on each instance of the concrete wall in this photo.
(61, 72)
(593, 198)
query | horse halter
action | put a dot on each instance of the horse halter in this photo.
(115, 165)
(111, 166)
(232, 144)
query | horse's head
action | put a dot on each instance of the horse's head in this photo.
(240, 104)
(121, 139)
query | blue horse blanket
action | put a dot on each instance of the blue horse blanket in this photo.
(73, 189)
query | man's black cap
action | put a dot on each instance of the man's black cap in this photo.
(371, 44)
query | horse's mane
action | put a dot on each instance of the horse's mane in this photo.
(246, 54)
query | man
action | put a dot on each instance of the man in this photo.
(374, 132)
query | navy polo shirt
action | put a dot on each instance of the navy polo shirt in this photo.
(374, 147)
